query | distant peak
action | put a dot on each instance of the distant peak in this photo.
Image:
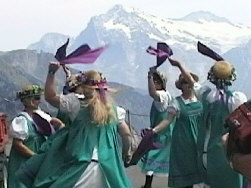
(204, 15)
(49, 36)
(120, 8)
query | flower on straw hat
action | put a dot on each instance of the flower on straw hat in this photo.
(29, 91)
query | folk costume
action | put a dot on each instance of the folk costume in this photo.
(84, 154)
(156, 162)
(218, 103)
(23, 128)
(184, 170)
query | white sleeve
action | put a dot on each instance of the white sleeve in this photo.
(174, 108)
(237, 99)
(19, 128)
(121, 114)
(165, 99)
(199, 89)
(70, 104)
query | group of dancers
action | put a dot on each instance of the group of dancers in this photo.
(82, 148)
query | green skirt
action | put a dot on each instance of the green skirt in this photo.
(158, 160)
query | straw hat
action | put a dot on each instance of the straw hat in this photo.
(222, 70)
(29, 91)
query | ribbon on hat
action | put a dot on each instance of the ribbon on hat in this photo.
(83, 54)
(101, 88)
(162, 52)
(99, 85)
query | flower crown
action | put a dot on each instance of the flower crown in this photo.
(29, 91)
(83, 79)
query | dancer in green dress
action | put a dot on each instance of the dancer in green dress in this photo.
(187, 110)
(156, 162)
(26, 139)
(86, 153)
(218, 103)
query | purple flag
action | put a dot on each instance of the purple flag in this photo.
(162, 52)
(164, 47)
(61, 52)
(203, 49)
(157, 52)
(147, 143)
(83, 54)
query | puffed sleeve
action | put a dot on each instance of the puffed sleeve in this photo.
(165, 99)
(174, 108)
(19, 128)
(237, 99)
(70, 104)
(200, 90)
(121, 114)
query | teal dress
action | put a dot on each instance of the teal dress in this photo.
(183, 155)
(33, 142)
(69, 152)
(64, 118)
(158, 160)
(217, 172)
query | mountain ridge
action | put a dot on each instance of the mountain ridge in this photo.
(129, 32)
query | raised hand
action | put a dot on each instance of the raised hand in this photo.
(152, 70)
(147, 132)
(174, 62)
(53, 67)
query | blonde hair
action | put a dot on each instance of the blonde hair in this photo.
(100, 108)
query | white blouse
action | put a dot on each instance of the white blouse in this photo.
(19, 126)
(165, 99)
(174, 107)
(214, 94)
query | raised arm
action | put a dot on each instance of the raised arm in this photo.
(50, 90)
(186, 74)
(151, 87)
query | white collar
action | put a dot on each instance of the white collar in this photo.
(188, 101)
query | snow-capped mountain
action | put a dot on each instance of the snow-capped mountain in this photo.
(204, 16)
(128, 32)
(49, 42)
(241, 56)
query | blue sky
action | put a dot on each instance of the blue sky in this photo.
(23, 22)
